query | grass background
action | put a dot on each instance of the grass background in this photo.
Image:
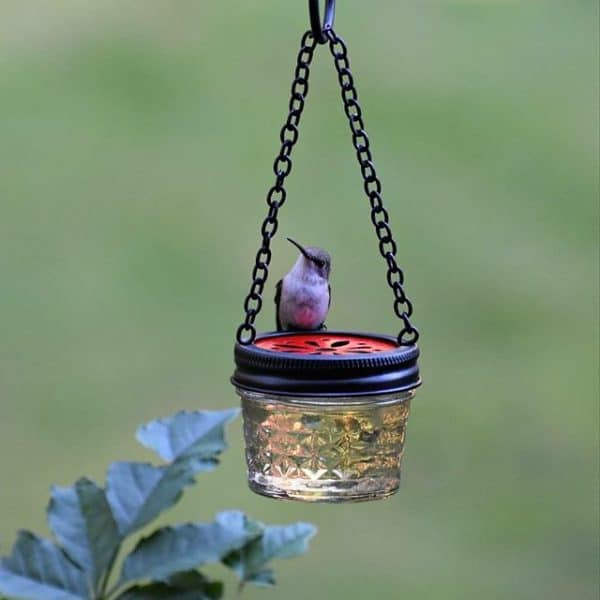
(136, 144)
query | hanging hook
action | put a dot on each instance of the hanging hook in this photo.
(319, 30)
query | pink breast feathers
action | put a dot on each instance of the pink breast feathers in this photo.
(306, 318)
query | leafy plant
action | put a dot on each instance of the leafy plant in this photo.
(90, 524)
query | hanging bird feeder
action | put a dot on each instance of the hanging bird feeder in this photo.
(325, 412)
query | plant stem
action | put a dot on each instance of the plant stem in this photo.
(102, 589)
(113, 590)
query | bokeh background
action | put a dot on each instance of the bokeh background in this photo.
(137, 139)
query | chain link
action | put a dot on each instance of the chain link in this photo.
(276, 196)
(372, 186)
(282, 166)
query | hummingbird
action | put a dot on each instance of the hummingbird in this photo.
(303, 296)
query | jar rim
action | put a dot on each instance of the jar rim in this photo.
(325, 402)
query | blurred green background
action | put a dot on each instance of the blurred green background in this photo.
(137, 139)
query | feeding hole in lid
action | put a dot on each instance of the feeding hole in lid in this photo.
(325, 344)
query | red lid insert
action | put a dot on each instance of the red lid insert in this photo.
(323, 343)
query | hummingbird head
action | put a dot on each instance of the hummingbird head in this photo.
(314, 259)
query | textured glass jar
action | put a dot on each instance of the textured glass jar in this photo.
(327, 450)
(325, 414)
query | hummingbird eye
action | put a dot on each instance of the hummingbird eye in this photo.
(320, 264)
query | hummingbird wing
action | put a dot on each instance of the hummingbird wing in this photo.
(278, 287)
(322, 326)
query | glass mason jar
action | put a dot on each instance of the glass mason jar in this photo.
(325, 414)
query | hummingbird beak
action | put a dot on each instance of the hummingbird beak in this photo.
(299, 248)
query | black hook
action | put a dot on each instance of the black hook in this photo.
(318, 30)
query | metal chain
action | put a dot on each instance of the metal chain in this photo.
(246, 333)
(372, 186)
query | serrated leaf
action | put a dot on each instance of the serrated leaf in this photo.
(82, 522)
(250, 562)
(37, 569)
(189, 585)
(139, 492)
(198, 436)
(173, 549)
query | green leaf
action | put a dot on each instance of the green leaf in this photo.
(250, 562)
(196, 436)
(139, 492)
(37, 569)
(189, 585)
(160, 591)
(264, 577)
(82, 522)
(173, 549)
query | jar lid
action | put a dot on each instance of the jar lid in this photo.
(325, 363)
